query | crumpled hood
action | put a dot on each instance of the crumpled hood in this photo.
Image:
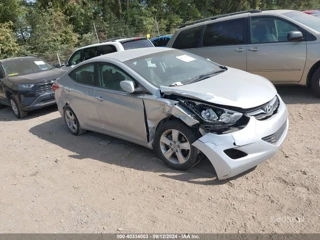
(38, 77)
(231, 88)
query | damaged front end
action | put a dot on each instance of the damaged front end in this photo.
(233, 139)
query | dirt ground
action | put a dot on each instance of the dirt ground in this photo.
(52, 181)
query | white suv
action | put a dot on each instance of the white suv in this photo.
(94, 50)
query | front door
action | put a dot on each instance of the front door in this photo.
(119, 112)
(269, 52)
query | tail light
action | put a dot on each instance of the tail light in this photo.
(55, 86)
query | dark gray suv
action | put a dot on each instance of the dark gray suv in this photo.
(25, 84)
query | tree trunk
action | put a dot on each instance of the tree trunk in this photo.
(120, 8)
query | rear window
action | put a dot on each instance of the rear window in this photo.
(225, 33)
(188, 38)
(139, 43)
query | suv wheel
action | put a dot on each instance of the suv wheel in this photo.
(315, 82)
(16, 109)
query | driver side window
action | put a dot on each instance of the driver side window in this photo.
(270, 30)
(110, 77)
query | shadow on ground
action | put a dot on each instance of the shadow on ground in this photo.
(297, 95)
(6, 113)
(125, 154)
(118, 152)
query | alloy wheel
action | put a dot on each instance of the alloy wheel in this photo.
(175, 147)
(71, 121)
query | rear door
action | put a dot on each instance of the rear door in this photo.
(81, 96)
(269, 52)
(223, 42)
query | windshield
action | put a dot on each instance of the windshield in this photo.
(137, 43)
(306, 19)
(172, 67)
(24, 66)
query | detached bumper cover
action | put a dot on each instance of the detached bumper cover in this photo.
(259, 140)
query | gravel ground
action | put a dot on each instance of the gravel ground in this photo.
(52, 181)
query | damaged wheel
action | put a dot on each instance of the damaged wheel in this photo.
(173, 145)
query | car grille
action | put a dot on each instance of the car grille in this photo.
(274, 138)
(266, 110)
(44, 88)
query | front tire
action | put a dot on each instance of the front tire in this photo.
(17, 111)
(173, 145)
(315, 82)
(71, 121)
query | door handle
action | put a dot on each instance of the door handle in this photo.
(239, 49)
(100, 98)
(253, 49)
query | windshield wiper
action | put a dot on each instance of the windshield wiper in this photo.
(223, 67)
(205, 76)
(175, 84)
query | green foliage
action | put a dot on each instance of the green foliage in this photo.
(8, 44)
(51, 34)
(10, 10)
(58, 26)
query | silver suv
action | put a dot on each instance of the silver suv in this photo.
(281, 45)
(94, 50)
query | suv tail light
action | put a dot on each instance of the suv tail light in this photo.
(55, 86)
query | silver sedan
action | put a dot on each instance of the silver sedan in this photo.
(181, 105)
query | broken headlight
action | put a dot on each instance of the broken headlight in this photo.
(219, 115)
(216, 119)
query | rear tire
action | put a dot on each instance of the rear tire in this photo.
(71, 121)
(315, 82)
(17, 111)
(173, 145)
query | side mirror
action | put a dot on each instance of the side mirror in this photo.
(127, 86)
(66, 63)
(295, 36)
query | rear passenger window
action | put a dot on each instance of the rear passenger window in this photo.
(105, 49)
(90, 53)
(84, 75)
(225, 33)
(188, 38)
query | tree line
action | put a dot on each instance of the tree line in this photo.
(49, 27)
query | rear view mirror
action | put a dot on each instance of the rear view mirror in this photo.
(127, 86)
(295, 36)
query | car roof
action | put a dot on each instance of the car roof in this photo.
(133, 53)
(16, 58)
(233, 15)
(117, 40)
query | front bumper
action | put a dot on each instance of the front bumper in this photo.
(249, 140)
(44, 100)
